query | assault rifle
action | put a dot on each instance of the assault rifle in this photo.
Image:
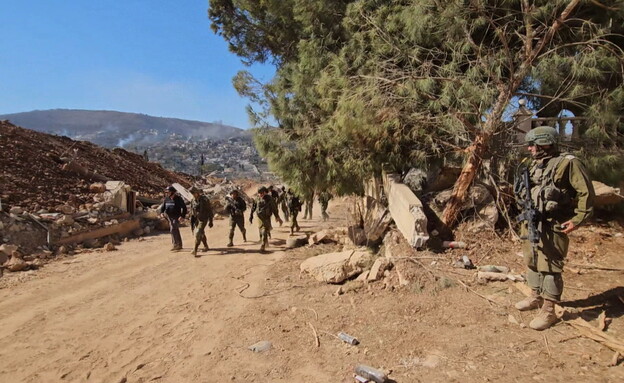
(530, 213)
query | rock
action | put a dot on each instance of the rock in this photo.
(320, 237)
(44, 254)
(147, 230)
(3, 258)
(357, 235)
(65, 209)
(138, 232)
(363, 277)
(28, 258)
(337, 267)
(97, 187)
(110, 247)
(65, 220)
(606, 195)
(297, 241)
(377, 271)
(17, 210)
(93, 220)
(16, 264)
(8, 249)
(62, 250)
(416, 180)
(487, 276)
(37, 263)
(261, 346)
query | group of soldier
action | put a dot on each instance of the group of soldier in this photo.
(556, 188)
(268, 204)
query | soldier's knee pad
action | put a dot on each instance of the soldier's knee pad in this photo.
(552, 286)
(534, 279)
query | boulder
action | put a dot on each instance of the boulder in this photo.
(337, 267)
(16, 264)
(97, 187)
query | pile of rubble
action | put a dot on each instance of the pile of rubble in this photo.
(43, 171)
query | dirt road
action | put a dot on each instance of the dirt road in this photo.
(138, 314)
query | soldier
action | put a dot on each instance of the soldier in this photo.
(174, 209)
(309, 202)
(276, 200)
(283, 202)
(294, 207)
(235, 207)
(201, 215)
(323, 199)
(264, 207)
(562, 195)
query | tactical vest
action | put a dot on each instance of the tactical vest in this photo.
(546, 196)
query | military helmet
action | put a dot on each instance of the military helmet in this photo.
(542, 135)
(263, 189)
(170, 189)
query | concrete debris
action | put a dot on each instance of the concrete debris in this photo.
(377, 271)
(324, 236)
(65, 220)
(479, 208)
(3, 258)
(65, 209)
(357, 235)
(406, 211)
(337, 267)
(110, 247)
(494, 269)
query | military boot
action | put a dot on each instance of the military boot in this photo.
(194, 252)
(230, 244)
(546, 316)
(532, 302)
(244, 235)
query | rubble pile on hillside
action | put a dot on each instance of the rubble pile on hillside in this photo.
(41, 171)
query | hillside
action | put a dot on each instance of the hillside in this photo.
(34, 176)
(111, 129)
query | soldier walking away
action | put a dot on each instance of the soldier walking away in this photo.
(276, 199)
(283, 202)
(323, 199)
(294, 207)
(557, 197)
(309, 202)
(201, 216)
(264, 206)
(235, 207)
(174, 209)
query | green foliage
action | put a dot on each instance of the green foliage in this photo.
(366, 85)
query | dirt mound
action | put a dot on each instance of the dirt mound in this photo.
(41, 171)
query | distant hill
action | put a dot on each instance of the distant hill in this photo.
(118, 129)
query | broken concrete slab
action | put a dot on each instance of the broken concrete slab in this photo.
(337, 267)
(406, 210)
(377, 271)
(183, 192)
(322, 236)
(122, 228)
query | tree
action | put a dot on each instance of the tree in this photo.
(400, 83)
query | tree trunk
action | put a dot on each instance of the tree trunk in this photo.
(460, 190)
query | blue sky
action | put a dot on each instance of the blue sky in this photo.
(146, 56)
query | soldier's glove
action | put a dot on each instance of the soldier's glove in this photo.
(210, 224)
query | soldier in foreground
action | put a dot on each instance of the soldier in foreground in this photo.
(559, 199)
(174, 209)
(264, 206)
(235, 207)
(294, 207)
(201, 216)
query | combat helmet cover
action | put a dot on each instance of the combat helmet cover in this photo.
(542, 135)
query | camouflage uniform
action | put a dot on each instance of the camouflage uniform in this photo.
(236, 207)
(264, 207)
(323, 199)
(201, 216)
(294, 207)
(562, 194)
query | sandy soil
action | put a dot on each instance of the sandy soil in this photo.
(143, 314)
